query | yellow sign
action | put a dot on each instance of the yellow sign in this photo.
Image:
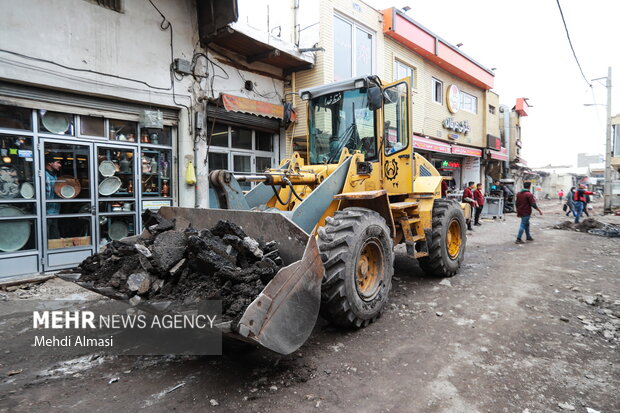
(254, 107)
(454, 99)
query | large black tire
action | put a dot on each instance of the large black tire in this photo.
(441, 260)
(357, 251)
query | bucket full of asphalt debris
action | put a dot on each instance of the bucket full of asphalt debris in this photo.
(265, 270)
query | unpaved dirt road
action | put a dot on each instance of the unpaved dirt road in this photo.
(522, 328)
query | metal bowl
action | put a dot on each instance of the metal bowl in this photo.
(118, 230)
(73, 190)
(15, 234)
(27, 190)
(9, 181)
(109, 185)
(55, 122)
(107, 168)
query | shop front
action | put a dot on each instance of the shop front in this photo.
(243, 137)
(74, 178)
(459, 164)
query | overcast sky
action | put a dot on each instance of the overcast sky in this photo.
(526, 41)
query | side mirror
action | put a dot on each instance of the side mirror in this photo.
(375, 100)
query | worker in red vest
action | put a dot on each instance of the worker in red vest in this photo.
(580, 201)
(479, 198)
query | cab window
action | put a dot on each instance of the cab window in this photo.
(395, 117)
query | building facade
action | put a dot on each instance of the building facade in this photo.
(454, 113)
(113, 110)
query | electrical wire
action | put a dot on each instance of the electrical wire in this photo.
(164, 25)
(571, 43)
(95, 72)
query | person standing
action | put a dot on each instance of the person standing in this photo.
(479, 198)
(561, 195)
(444, 188)
(580, 201)
(585, 207)
(525, 202)
(570, 205)
(53, 165)
(468, 196)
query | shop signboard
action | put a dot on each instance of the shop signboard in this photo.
(501, 155)
(493, 142)
(454, 99)
(429, 145)
(254, 107)
(458, 127)
(461, 150)
(471, 169)
(155, 204)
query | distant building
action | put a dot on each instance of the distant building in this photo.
(585, 159)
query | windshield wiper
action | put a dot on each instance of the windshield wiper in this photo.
(348, 133)
(342, 142)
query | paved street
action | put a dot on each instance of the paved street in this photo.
(522, 328)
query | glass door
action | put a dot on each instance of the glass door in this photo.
(116, 193)
(68, 202)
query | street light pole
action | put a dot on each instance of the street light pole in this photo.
(607, 183)
(608, 170)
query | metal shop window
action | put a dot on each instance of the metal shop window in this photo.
(353, 50)
(18, 206)
(437, 91)
(56, 123)
(15, 118)
(401, 71)
(469, 102)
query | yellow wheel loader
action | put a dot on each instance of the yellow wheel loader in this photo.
(338, 213)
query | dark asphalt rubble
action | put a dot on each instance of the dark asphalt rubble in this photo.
(591, 226)
(221, 263)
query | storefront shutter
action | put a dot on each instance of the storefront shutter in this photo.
(245, 120)
(38, 98)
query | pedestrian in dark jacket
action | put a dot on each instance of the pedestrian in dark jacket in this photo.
(585, 208)
(444, 188)
(569, 201)
(580, 201)
(479, 198)
(525, 202)
(468, 196)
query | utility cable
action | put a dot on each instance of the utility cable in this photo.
(95, 72)
(571, 44)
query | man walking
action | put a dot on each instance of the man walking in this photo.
(524, 203)
(561, 195)
(479, 198)
(580, 201)
(570, 205)
(468, 196)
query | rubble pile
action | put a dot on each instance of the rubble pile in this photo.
(592, 226)
(221, 263)
(606, 321)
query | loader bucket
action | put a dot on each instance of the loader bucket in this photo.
(282, 317)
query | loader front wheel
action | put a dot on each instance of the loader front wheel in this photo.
(356, 249)
(446, 246)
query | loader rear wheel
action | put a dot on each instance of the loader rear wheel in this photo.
(356, 249)
(446, 247)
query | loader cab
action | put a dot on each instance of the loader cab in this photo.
(343, 115)
(363, 115)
